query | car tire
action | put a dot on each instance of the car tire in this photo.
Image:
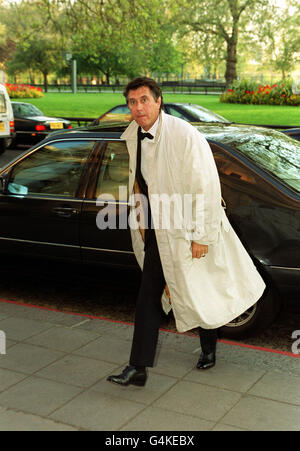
(11, 143)
(257, 318)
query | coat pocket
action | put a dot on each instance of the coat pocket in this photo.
(182, 254)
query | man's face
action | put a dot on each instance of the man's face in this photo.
(144, 108)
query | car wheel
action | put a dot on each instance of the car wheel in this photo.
(256, 319)
(11, 143)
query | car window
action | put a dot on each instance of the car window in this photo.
(55, 169)
(26, 109)
(202, 114)
(269, 149)
(117, 117)
(121, 109)
(176, 113)
(2, 104)
(114, 172)
(119, 113)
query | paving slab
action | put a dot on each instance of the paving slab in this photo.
(108, 328)
(15, 421)
(110, 349)
(38, 396)
(98, 411)
(77, 370)
(164, 420)
(62, 338)
(21, 328)
(230, 376)
(279, 387)
(9, 378)
(260, 414)
(201, 401)
(27, 358)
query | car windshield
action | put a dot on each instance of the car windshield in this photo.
(26, 109)
(270, 149)
(203, 114)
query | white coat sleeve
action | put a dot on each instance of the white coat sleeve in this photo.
(202, 183)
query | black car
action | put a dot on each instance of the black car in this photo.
(50, 209)
(32, 126)
(292, 132)
(188, 111)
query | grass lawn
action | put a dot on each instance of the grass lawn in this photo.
(94, 104)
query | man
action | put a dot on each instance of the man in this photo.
(202, 264)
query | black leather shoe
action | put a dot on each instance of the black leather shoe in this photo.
(206, 361)
(130, 375)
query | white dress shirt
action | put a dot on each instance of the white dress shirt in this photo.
(147, 146)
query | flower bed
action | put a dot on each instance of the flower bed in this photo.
(252, 93)
(16, 91)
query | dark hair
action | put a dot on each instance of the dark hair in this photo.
(144, 81)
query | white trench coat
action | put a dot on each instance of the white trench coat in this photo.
(208, 292)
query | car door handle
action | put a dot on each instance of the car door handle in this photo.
(65, 212)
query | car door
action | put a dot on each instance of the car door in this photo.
(104, 233)
(41, 206)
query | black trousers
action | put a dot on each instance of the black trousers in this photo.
(149, 310)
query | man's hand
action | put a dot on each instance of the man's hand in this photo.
(199, 250)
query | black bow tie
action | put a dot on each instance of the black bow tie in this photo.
(142, 135)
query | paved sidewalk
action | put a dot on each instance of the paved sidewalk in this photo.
(53, 378)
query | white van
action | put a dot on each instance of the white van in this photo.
(7, 125)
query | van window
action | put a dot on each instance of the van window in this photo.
(2, 104)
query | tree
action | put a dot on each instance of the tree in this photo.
(36, 54)
(7, 47)
(164, 58)
(127, 37)
(282, 38)
(206, 50)
(225, 19)
(36, 46)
